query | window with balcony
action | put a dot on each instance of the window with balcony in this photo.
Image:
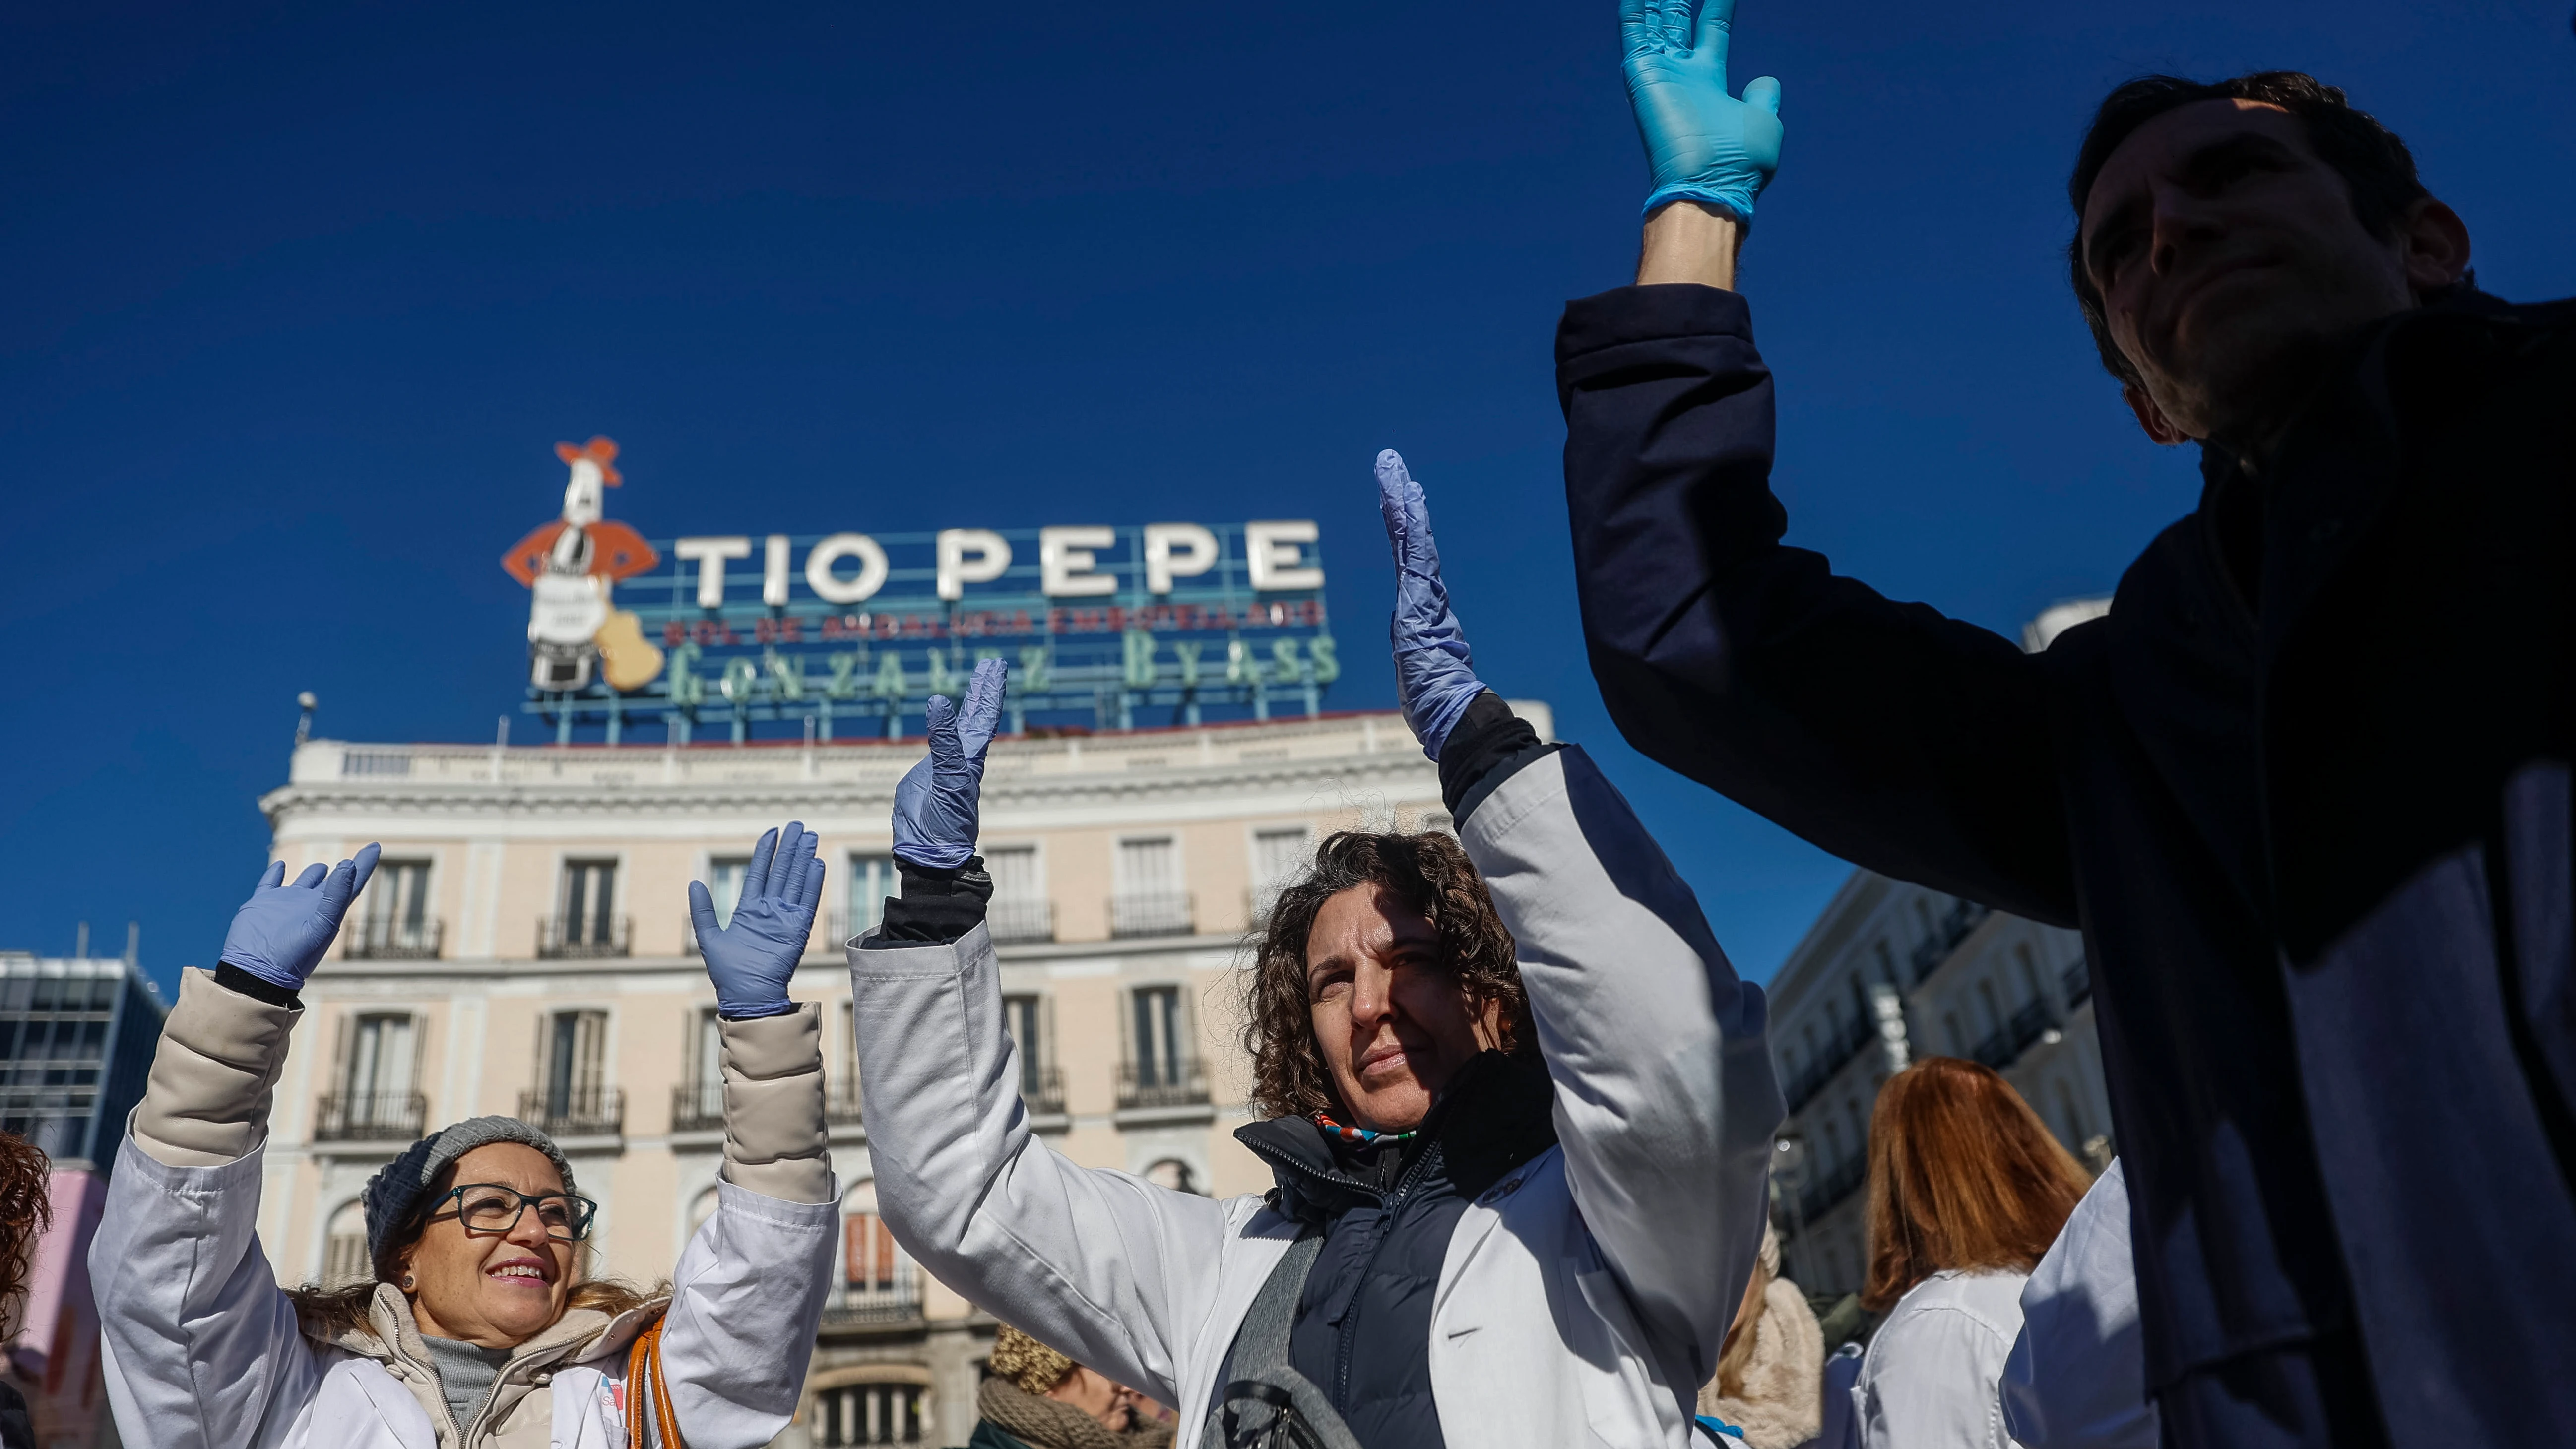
(1020, 910)
(393, 921)
(376, 1101)
(697, 1104)
(1161, 1069)
(1149, 899)
(1041, 1086)
(876, 1279)
(586, 922)
(2070, 1119)
(858, 1414)
(841, 1087)
(1279, 857)
(344, 1248)
(572, 1097)
(1994, 1045)
(872, 879)
(724, 885)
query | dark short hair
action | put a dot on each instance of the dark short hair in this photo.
(2375, 165)
(1429, 873)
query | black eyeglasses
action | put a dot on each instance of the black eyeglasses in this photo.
(488, 1209)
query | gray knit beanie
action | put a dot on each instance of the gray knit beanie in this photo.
(395, 1191)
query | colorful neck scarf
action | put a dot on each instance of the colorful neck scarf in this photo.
(1361, 1135)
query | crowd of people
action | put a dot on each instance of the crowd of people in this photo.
(2304, 789)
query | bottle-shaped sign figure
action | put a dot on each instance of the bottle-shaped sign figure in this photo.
(571, 567)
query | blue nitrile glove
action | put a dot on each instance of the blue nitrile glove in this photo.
(1701, 143)
(755, 953)
(280, 933)
(936, 801)
(1433, 679)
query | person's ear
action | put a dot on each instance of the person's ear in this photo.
(2437, 247)
(2151, 417)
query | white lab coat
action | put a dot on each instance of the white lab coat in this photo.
(1928, 1380)
(2077, 1376)
(1584, 1297)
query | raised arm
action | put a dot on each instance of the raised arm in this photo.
(1665, 1099)
(757, 1272)
(1908, 742)
(1100, 1265)
(201, 1347)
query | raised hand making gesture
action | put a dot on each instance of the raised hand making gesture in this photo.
(1703, 144)
(1434, 679)
(936, 802)
(280, 933)
(752, 956)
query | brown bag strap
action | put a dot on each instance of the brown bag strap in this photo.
(648, 1396)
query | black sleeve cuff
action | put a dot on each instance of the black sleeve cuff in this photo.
(233, 978)
(936, 907)
(1486, 747)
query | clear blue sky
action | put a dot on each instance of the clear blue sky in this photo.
(300, 296)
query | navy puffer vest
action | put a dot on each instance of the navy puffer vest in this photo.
(1388, 1210)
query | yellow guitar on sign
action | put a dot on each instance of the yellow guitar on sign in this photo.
(627, 658)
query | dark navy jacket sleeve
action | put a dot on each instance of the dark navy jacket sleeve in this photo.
(1907, 742)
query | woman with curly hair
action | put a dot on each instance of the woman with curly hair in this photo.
(477, 1328)
(1516, 1105)
(26, 1215)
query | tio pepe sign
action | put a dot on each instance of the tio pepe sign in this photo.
(850, 568)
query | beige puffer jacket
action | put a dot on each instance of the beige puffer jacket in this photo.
(202, 1348)
(1781, 1403)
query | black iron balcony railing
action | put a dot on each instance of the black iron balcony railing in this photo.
(841, 1102)
(1042, 1091)
(1995, 1050)
(1846, 1043)
(857, 1305)
(1161, 1084)
(371, 1117)
(836, 930)
(580, 938)
(587, 1112)
(1020, 918)
(698, 1107)
(392, 940)
(2030, 1024)
(2077, 983)
(1152, 913)
(1953, 927)
(1841, 1181)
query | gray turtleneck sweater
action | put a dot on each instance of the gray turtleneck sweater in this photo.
(465, 1375)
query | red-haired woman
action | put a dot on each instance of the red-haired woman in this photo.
(1966, 1192)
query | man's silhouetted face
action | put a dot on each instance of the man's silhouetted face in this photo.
(2232, 266)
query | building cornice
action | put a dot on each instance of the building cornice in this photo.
(1046, 792)
(334, 970)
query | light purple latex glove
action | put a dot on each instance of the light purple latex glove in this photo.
(936, 802)
(752, 958)
(1433, 679)
(280, 933)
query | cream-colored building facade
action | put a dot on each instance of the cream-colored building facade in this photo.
(524, 949)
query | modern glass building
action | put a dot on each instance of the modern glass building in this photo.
(76, 1041)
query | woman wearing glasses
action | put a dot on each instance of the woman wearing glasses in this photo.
(477, 1328)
